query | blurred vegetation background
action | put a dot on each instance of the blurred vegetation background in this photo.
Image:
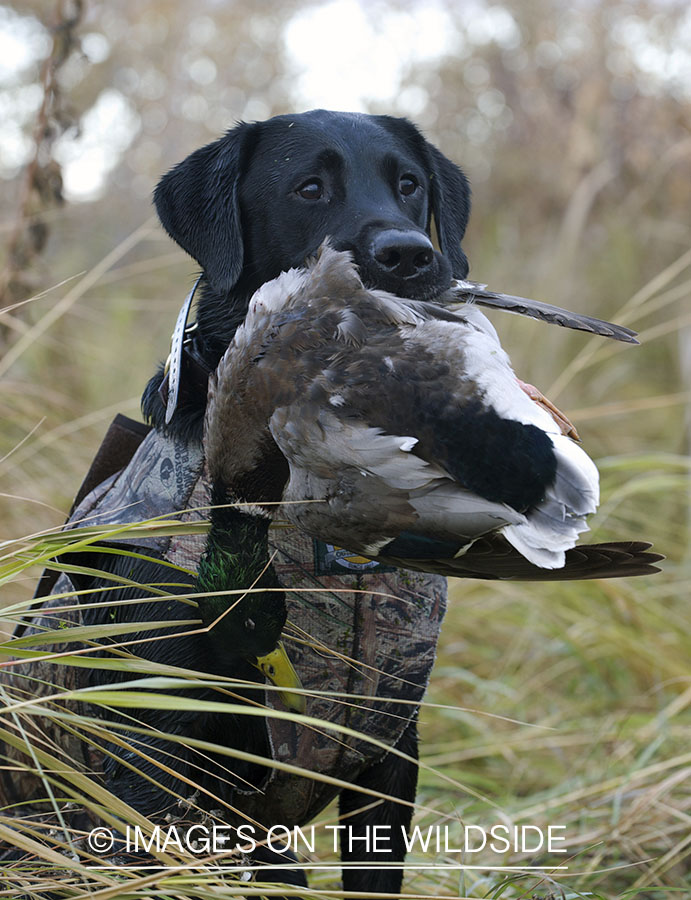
(573, 123)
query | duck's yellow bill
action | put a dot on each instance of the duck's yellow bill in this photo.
(277, 667)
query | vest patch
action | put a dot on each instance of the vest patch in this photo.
(332, 560)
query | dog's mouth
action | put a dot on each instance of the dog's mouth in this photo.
(400, 262)
(421, 285)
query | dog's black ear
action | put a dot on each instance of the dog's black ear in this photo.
(197, 203)
(450, 208)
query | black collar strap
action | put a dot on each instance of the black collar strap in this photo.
(183, 358)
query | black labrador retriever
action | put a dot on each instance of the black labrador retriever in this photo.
(254, 203)
(261, 200)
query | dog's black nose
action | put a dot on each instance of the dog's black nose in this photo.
(403, 254)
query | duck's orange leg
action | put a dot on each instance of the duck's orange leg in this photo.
(566, 426)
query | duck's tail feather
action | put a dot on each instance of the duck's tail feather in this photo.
(536, 309)
(494, 558)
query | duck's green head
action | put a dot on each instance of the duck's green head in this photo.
(248, 613)
(251, 622)
(249, 627)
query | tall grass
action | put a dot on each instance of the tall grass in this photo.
(564, 705)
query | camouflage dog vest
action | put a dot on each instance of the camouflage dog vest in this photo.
(366, 629)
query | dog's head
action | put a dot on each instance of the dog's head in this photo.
(263, 198)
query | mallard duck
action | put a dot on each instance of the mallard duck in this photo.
(248, 624)
(397, 428)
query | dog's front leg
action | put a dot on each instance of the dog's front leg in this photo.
(360, 838)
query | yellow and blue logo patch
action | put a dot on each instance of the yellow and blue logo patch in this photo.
(332, 560)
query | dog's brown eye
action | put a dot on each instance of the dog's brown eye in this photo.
(407, 185)
(311, 190)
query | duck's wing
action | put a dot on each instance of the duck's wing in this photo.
(379, 499)
(450, 386)
(354, 485)
(420, 441)
(493, 558)
(472, 292)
